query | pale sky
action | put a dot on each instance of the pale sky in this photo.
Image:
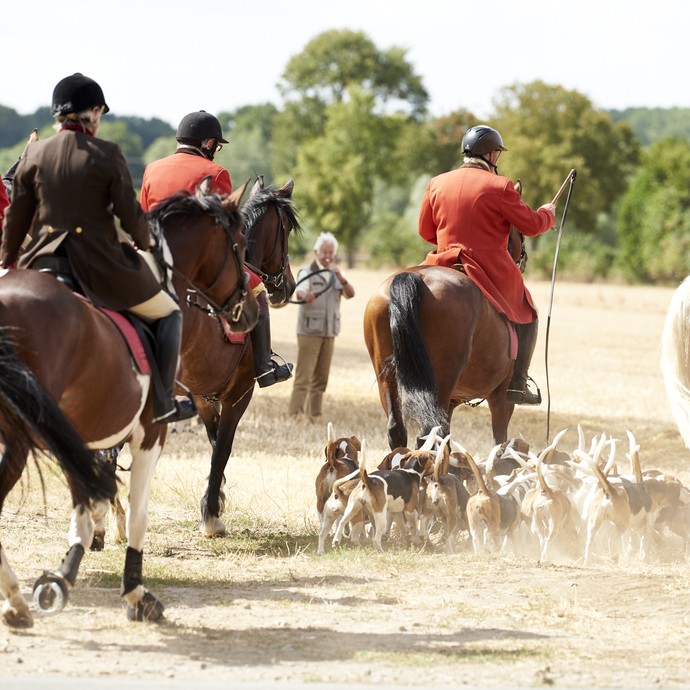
(165, 58)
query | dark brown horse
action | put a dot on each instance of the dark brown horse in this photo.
(435, 343)
(220, 373)
(78, 358)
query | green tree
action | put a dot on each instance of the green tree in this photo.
(348, 107)
(548, 131)
(249, 132)
(337, 172)
(325, 73)
(654, 217)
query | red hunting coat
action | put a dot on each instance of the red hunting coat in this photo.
(467, 213)
(181, 171)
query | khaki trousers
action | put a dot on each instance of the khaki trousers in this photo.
(314, 357)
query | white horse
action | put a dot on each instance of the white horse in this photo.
(675, 358)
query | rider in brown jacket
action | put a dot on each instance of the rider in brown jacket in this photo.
(67, 190)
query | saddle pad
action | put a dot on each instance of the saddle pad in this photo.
(512, 336)
(234, 338)
(131, 337)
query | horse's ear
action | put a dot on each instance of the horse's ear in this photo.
(258, 185)
(518, 186)
(205, 187)
(233, 202)
(286, 189)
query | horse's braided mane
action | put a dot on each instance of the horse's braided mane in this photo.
(257, 205)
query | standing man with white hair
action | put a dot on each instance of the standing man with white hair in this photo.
(319, 287)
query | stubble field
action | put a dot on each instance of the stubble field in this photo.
(259, 606)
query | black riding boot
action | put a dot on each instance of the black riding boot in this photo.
(266, 371)
(518, 393)
(166, 408)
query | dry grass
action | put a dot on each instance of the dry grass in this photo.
(259, 605)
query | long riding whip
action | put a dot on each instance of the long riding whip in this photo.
(569, 179)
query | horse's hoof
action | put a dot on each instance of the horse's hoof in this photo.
(213, 527)
(98, 542)
(50, 593)
(17, 617)
(148, 609)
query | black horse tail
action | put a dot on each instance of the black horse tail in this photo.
(30, 419)
(411, 360)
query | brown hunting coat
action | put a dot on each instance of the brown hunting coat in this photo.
(67, 191)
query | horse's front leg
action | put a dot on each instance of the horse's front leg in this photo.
(501, 412)
(142, 605)
(51, 590)
(213, 501)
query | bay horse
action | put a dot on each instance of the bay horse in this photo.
(79, 357)
(219, 372)
(675, 358)
(435, 343)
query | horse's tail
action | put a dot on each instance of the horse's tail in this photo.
(675, 358)
(30, 419)
(411, 359)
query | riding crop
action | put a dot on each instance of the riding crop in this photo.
(569, 179)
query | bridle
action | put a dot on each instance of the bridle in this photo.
(226, 310)
(277, 279)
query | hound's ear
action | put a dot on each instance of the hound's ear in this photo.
(205, 187)
(355, 442)
(232, 203)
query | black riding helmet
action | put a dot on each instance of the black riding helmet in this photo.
(481, 140)
(198, 126)
(75, 94)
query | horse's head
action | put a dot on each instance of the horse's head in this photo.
(208, 247)
(269, 217)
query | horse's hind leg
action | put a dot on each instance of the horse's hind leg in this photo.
(15, 610)
(397, 431)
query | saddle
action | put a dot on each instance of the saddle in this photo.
(136, 333)
(512, 331)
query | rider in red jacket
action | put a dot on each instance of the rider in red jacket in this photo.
(468, 214)
(199, 136)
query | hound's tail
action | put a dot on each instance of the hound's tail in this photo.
(675, 358)
(411, 360)
(30, 419)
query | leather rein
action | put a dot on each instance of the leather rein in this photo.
(277, 279)
(225, 310)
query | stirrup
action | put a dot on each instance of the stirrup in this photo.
(276, 374)
(524, 397)
(182, 409)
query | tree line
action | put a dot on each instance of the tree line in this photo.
(355, 134)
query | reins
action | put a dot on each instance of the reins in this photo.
(224, 310)
(570, 178)
(278, 278)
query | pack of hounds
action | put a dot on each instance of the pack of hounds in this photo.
(554, 505)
